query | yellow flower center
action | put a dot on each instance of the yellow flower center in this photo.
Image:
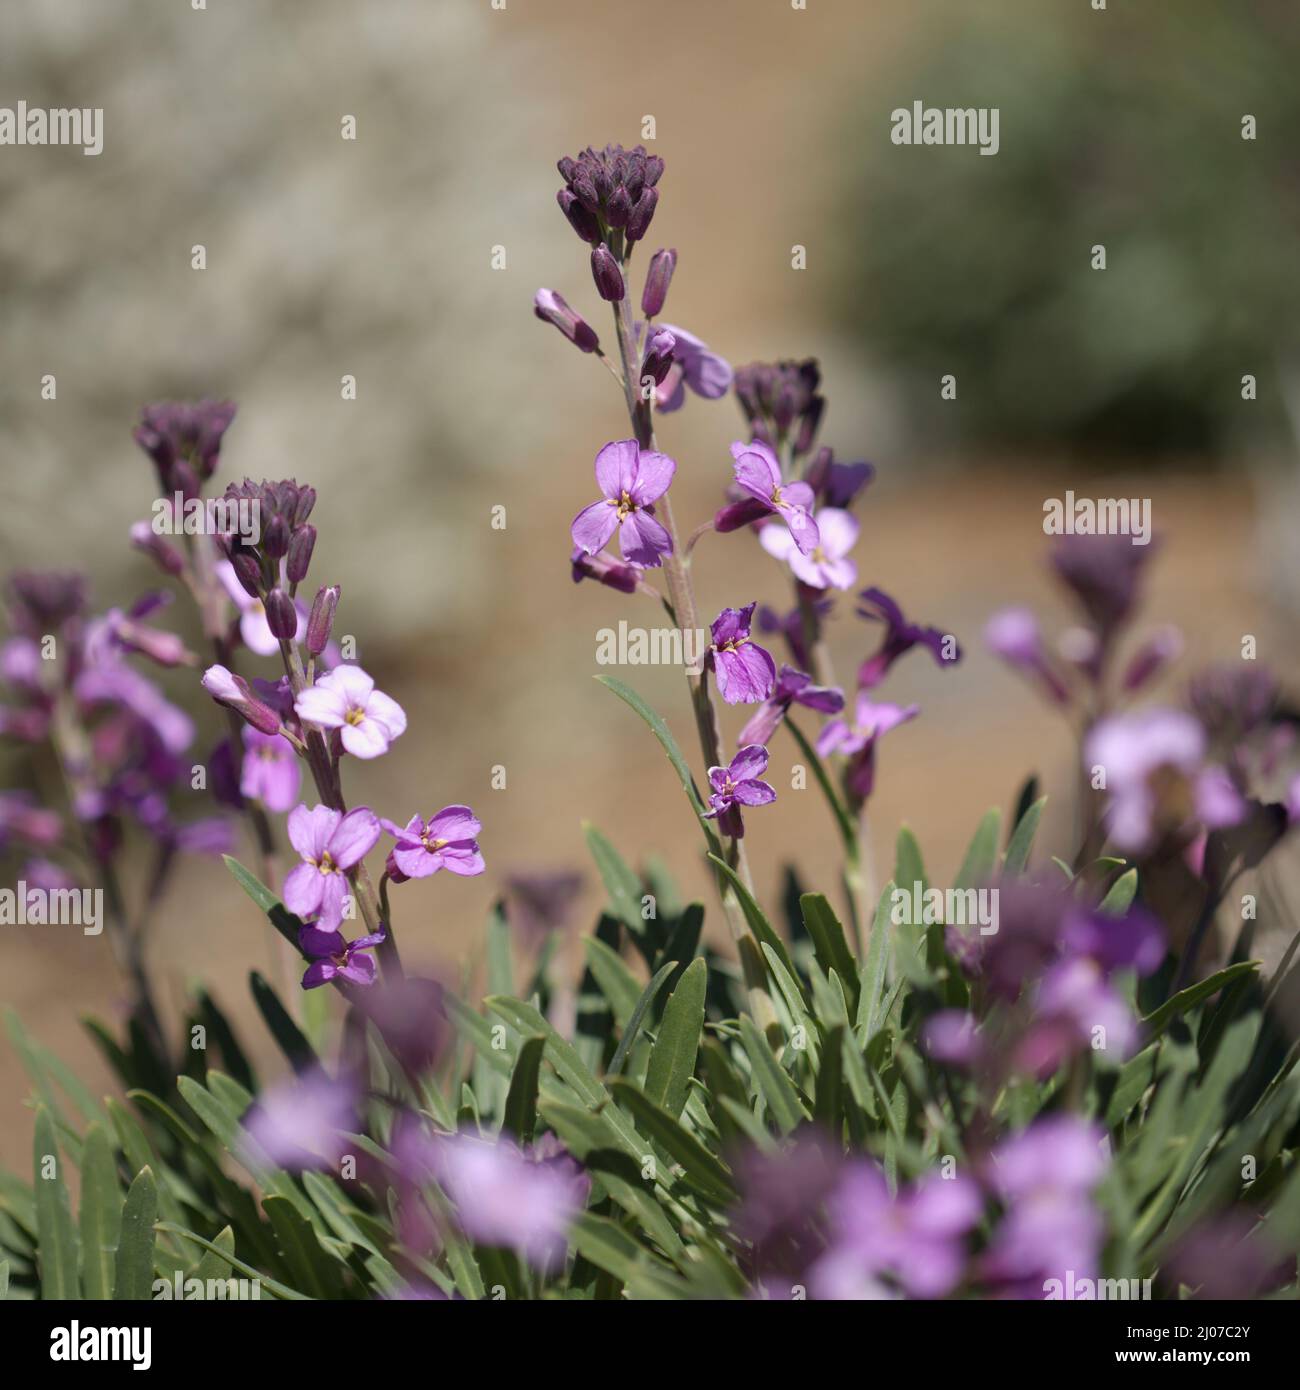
(355, 715)
(626, 506)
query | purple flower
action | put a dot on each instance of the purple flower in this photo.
(737, 786)
(1103, 572)
(1013, 635)
(346, 699)
(1157, 779)
(790, 626)
(917, 1238)
(632, 481)
(1074, 1009)
(758, 478)
(330, 844)
(782, 1196)
(1164, 646)
(254, 630)
(302, 1123)
(781, 398)
(792, 688)
(553, 308)
(541, 902)
(707, 374)
(746, 673)
(951, 1036)
(337, 958)
(900, 637)
(1228, 1256)
(445, 841)
(270, 772)
(22, 819)
(505, 1198)
(870, 720)
(177, 433)
(825, 565)
(1045, 1176)
(837, 484)
(856, 740)
(107, 678)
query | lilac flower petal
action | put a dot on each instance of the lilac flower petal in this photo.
(654, 477)
(310, 830)
(355, 837)
(745, 675)
(322, 705)
(616, 469)
(303, 889)
(593, 527)
(751, 761)
(643, 540)
(753, 793)
(454, 823)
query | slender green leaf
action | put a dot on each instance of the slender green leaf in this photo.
(1159, 1019)
(672, 1062)
(648, 996)
(56, 1239)
(770, 1077)
(133, 1280)
(982, 853)
(101, 1214)
(829, 942)
(521, 1100)
(1022, 839)
(702, 1170)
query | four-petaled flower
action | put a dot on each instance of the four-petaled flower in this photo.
(900, 637)
(336, 957)
(758, 478)
(826, 565)
(746, 673)
(857, 739)
(270, 772)
(445, 841)
(346, 699)
(707, 374)
(632, 481)
(330, 844)
(737, 786)
(792, 688)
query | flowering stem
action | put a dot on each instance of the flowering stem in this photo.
(325, 775)
(681, 596)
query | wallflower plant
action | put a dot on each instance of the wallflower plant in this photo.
(824, 1097)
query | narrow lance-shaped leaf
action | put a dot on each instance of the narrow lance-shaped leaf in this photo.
(672, 1062)
(56, 1240)
(134, 1266)
(101, 1215)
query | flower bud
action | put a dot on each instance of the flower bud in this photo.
(322, 619)
(654, 167)
(584, 222)
(639, 222)
(306, 501)
(607, 275)
(183, 479)
(301, 545)
(229, 689)
(1162, 647)
(281, 615)
(551, 307)
(163, 553)
(248, 571)
(275, 537)
(619, 208)
(657, 279)
(658, 356)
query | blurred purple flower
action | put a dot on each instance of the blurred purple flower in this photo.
(270, 772)
(856, 739)
(505, 1198)
(1156, 778)
(826, 565)
(1013, 635)
(900, 637)
(301, 1123)
(792, 688)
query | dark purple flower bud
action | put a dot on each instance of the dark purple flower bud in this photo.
(228, 689)
(162, 552)
(183, 479)
(286, 496)
(619, 208)
(657, 279)
(584, 222)
(639, 222)
(322, 619)
(306, 501)
(247, 570)
(301, 545)
(607, 275)
(613, 573)
(281, 615)
(658, 356)
(654, 168)
(568, 168)
(42, 601)
(1162, 647)
(585, 190)
(553, 308)
(275, 537)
